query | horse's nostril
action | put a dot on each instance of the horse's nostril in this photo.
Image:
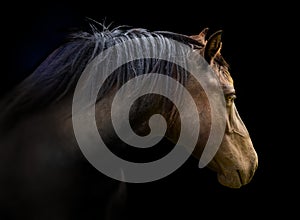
(240, 177)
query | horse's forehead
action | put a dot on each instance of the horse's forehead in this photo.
(200, 38)
(224, 77)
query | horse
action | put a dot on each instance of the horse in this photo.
(40, 154)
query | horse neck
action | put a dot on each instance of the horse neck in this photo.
(36, 127)
(140, 113)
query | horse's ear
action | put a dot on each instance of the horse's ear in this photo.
(201, 36)
(203, 33)
(213, 46)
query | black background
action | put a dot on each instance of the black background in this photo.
(34, 30)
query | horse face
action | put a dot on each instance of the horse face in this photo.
(236, 159)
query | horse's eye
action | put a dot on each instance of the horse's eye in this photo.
(230, 97)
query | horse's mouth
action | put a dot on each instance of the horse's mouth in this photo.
(234, 179)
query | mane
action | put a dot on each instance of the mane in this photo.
(58, 74)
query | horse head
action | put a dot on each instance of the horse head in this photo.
(236, 159)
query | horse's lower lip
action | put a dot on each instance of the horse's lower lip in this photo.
(232, 180)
